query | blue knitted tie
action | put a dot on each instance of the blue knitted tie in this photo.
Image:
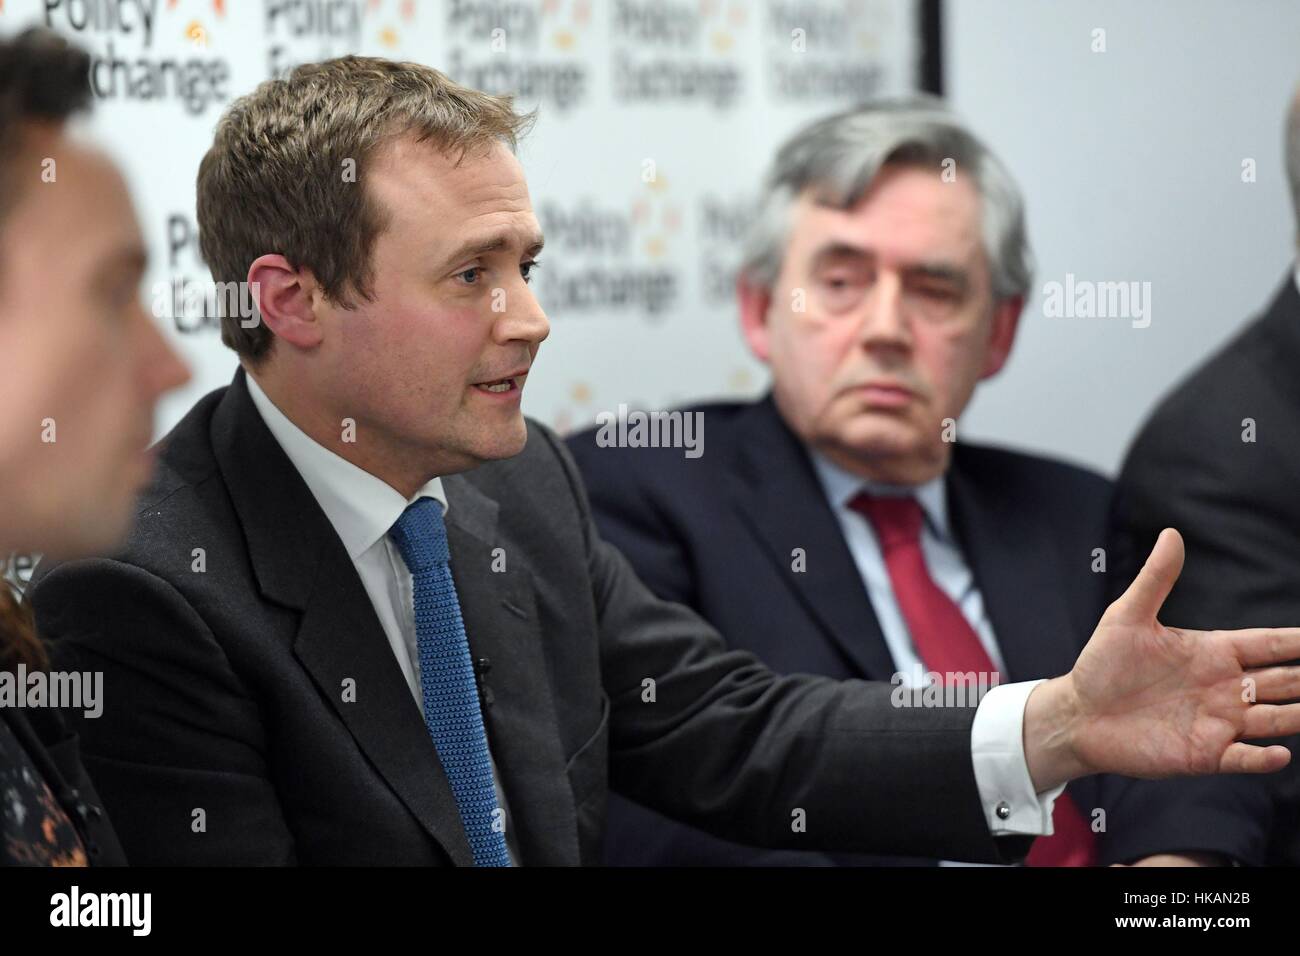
(451, 710)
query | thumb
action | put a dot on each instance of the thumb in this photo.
(1141, 602)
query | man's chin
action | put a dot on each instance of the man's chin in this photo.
(499, 444)
(511, 447)
(892, 456)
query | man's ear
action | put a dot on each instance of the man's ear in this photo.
(754, 305)
(1006, 320)
(285, 298)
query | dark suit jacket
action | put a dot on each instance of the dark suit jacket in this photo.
(1237, 505)
(224, 687)
(717, 534)
(53, 751)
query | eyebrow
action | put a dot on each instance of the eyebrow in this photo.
(941, 271)
(928, 270)
(832, 250)
(481, 247)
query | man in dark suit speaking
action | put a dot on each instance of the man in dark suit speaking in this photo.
(365, 616)
(880, 286)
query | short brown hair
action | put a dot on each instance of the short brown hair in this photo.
(274, 180)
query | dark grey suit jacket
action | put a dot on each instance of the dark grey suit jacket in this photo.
(224, 688)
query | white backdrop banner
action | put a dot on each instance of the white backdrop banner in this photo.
(656, 121)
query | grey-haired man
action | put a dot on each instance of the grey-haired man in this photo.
(835, 526)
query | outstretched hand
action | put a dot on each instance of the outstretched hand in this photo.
(1147, 700)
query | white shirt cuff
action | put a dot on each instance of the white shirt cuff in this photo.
(997, 746)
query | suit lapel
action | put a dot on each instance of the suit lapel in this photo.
(340, 639)
(300, 562)
(1017, 571)
(782, 502)
(498, 603)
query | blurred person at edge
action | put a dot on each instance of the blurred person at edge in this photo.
(82, 365)
(1218, 456)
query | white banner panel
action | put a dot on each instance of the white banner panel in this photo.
(656, 121)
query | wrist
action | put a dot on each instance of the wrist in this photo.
(1051, 730)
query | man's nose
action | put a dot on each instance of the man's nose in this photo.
(885, 323)
(522, 318)
(160, 368)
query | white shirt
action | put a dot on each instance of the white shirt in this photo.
(997, 735)
(362, 509)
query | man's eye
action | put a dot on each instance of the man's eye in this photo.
(842, 285)
(470, 275)
(526, 269)
(843, 280)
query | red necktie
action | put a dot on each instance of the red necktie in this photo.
(946, 643)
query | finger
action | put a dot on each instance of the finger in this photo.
(1262, 646)
(1272, 720)
(1249, 758)
(1273, 684)
(1141, 602)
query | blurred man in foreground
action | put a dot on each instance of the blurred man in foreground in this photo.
(82, 365)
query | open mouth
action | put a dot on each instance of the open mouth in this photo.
(501, 385)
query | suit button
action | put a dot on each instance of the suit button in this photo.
(1003, 810)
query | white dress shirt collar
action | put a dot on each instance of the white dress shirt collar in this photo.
(841, 486)
(361, 507)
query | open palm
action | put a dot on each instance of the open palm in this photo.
(1158, 701)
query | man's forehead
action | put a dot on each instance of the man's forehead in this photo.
(871, 226)
(415, 170)
(51, 154)
(481, 194)
(69, 176)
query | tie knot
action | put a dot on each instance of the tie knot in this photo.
(896, 519)
(421, 535)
